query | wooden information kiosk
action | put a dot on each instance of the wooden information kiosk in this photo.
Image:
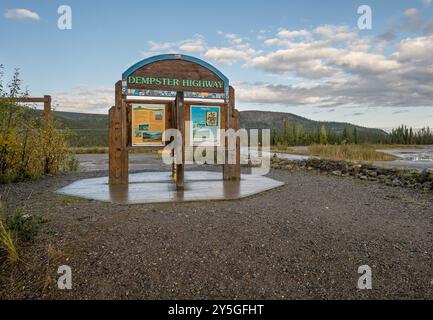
(172, 92)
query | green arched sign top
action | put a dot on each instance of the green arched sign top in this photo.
(181, 57)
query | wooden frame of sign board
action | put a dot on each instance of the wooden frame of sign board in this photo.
(203, 85)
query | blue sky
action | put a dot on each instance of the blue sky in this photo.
(305, 57)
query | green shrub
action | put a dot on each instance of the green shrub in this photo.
(29, 148)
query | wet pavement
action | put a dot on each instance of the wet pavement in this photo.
(158, 187)
(137, 162)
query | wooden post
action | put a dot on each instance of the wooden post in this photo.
(118, 136)
(180, 125)
(47, 109)
(237, 126)
(232, 171)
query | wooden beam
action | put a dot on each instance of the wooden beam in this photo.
(232, 171)
(118, 152)
(47, 110)
(180, 125)
(46, 100)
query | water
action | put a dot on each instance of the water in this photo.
(420, 158)
(417, 155)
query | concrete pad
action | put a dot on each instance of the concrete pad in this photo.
(158, 187)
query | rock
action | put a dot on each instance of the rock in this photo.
(337, 173)
(425, 176)
(397, 183)
(388, 182)
(372, 173)
(427, 185)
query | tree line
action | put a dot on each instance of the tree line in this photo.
(294, 134)
(297, 135)
(407, 135)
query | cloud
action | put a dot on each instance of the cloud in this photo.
(335, 33)
(196, 44)
(327, 66)
(85, 99)
(413, 21)
(331, 76)
(400, 111)
(415, 49)
(290, 34)
(228, 55)
(21, 14)
(159, 47)
(427, 3)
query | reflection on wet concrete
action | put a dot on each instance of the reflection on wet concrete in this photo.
(119, 193)
(157, 187)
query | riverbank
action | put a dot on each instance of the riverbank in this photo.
(402, 157)
(421, 180)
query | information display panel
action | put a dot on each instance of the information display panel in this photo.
(205, 125)
(148, 125)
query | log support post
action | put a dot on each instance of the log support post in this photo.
(180, 125)
(232, 171)
(118, 152)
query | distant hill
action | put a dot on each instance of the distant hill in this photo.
(92, 129)
(275, 121)
(89, 130)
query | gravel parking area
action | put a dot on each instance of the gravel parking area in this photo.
(301, 241)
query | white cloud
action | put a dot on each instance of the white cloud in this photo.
(229, 55)
(196, 44)
(290, 34)
(328, 66)
(21, 14)
(419, 48)
(160, 46)
(335, 33)
(85, 99)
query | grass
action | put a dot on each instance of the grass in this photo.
(7, 243)
(361, 152)
(289, 150)
(88, 150)
(17, 228)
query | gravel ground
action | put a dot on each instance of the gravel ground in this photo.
(304, 240)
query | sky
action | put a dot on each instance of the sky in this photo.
(306, 57)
